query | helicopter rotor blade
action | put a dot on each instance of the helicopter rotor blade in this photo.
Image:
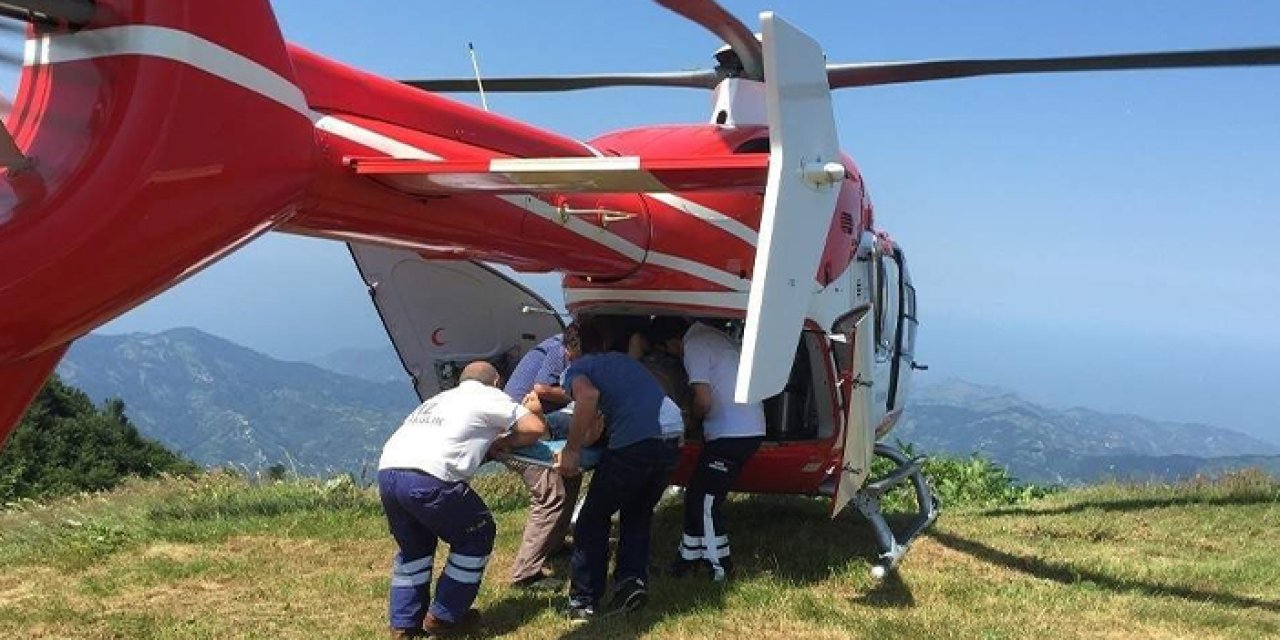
(701, 79)
(712, 17)
(75, 13)
(843, 76)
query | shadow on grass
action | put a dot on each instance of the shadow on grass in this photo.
(1138, 504)
(787, 539)
(790, 538)
(669, 601)
(1069, 575)
(509, 614)
(891, 593)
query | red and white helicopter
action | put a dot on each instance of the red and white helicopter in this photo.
(131, 162)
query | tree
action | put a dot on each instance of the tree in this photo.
(64, 444)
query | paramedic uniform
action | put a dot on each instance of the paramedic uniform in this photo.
(732, 432)
(422, 481)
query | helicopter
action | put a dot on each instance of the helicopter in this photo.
(149, 139)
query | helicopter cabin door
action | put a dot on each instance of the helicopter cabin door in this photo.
(442, 314)
(856, 332)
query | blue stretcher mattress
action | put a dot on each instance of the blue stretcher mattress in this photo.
(543, 454)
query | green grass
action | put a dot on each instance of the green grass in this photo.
(219, 557)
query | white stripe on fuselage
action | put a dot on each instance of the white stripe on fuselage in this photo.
(169, 44)
(187, 48)
(708, 215)
(371, 139)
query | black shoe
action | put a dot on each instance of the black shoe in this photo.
(680, 567)
(579, 612)
(630, 595)
(539, 582)
(724, 572)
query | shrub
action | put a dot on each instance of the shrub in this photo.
(958, 482)
(64, 445)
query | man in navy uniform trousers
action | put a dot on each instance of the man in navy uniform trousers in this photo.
(629, 479)
(732, 433)
(422, 480)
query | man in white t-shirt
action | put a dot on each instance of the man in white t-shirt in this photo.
(732, 433)
(422, 481)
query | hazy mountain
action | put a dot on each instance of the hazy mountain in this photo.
(1042, 444)
(375, 365)
(221, 403)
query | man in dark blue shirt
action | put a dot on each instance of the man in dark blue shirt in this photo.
(630, 478)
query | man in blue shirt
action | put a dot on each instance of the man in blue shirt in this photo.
(629, 479)
(551, 495)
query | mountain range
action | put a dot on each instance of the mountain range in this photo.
(224, 404)
(1047, 445)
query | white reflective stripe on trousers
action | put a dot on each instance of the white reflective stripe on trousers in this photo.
(710, 550)
(466, 569)
(411, 574)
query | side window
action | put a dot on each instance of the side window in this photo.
(888, 297)
(909, 321)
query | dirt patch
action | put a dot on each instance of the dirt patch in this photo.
(172, 551)
(25, 583)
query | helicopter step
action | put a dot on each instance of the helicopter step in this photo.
(867, 500)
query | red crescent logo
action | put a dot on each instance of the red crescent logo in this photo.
(435, 337)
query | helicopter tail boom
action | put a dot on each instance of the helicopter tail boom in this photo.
(144, 166)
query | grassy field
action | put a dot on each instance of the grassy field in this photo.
(216, 557)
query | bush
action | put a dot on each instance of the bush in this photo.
(64, 444)
(958, 482)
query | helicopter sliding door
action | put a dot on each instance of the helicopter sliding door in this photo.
(442, 314)
(904, 338)
(855, 331)
(895, 328)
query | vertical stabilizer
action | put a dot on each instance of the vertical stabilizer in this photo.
(804, 182)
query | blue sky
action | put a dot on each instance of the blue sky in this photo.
(1087, 239)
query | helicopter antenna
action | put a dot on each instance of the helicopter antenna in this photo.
(476, 66)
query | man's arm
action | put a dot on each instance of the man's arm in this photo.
(527, 429)
(554, 396)
(701, 405)
(587, 397)
(596, 430)
(698, 364)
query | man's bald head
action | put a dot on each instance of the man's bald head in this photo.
(481, 372)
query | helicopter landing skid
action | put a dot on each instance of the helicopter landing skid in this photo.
(893, 545)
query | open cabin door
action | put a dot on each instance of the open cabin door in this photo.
(859, 434)
(442, 314)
